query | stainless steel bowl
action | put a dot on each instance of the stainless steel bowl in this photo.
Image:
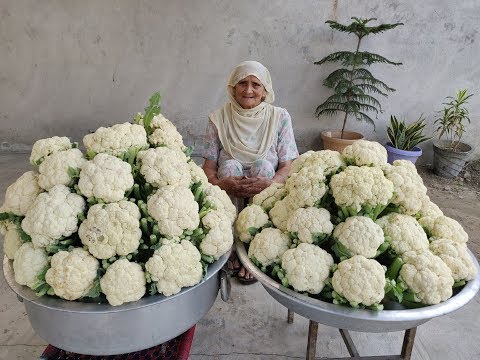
(390, 319)
(101, 329)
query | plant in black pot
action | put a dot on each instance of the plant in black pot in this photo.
(353, 83)
(449, 152)
(404, 139)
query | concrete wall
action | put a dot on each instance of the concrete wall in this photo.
(70, 66)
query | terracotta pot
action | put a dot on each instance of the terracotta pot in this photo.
(332, 139)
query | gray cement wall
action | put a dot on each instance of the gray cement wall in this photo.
(70, 66)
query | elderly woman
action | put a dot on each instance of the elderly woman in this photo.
(250, 143)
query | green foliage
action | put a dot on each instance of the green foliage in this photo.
(353, 83)
(405, 137)
(453, 115)
(151, 110)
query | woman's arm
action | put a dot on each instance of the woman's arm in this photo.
(282, 171)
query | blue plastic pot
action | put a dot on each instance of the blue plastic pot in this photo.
(397, 154)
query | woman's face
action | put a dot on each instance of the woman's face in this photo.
(249, 92)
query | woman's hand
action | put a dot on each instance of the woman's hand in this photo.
(253, 185)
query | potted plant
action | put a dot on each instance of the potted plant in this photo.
(404, 139)
(353, 83)
(450, 154)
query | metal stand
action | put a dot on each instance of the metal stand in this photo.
(406, 353)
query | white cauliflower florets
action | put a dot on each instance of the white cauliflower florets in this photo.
(444, 227)
(163, 166)
(20, 195)
(429, 208)
(309, 223)
(53, 215)
(360, 235)
(220, 237)
(111, 229)
(427, 276)
(408, 186)
(220, 200)
(456, 256)
(106, 177)
(307, 267)
(364, 152)
(196, 173)
(174, 266)
(45, 147)
(361, 186)
(175, 209)
(11, 238)
(54, 169)
(251, 218)
(268, 246)
(28, 263)
(116, 139)
(72, 274)
(405, 233)
(165, 133)
(328, 160)
(124, 281)
(281, 211)
(269, 196)
(360, 281)
(306, 187)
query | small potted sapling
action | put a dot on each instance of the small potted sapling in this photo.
(449, 152)
(353, 83)
(404, 139)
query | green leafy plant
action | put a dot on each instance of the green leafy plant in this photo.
(406, 137)
(352, 83)
(451, 122)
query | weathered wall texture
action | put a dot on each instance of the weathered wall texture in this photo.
(70, 66)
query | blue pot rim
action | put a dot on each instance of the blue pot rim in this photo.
(415, 152)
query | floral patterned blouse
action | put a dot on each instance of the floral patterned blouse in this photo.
(283, 148)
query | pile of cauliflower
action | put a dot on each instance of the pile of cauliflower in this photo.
(351, 229)
(133, 215)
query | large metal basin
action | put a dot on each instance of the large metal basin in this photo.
(101, 329)
(393, 318)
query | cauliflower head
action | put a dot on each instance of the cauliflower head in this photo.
(427, 276)
(116, 139)
(28, 263)
(356, 187)
(175, 210)
(360, 281)
(174, 266)
(219, 238)
(249, 221)
(219, 199)
(72, 274)
(360, 235)
(54, 169)
(408, 186)
(364, 152)
(124, 281)
(111, 229)
(268, 246)
(456, 256)
(306, 187)
(165, 133)
(163, 166)
(281, 211)
(328, 160)
(20, 195)
(45, 147)
(53, 215)
(429, 208)
(405, 233)
(269, 196)
(310, 223)
(11, 238)
(307, 267)
(105, 177)
(444, 227)
(196, 173)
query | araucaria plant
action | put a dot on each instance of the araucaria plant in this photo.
(352, 82)
(453, 115)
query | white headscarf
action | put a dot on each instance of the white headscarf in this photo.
(247, 134)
